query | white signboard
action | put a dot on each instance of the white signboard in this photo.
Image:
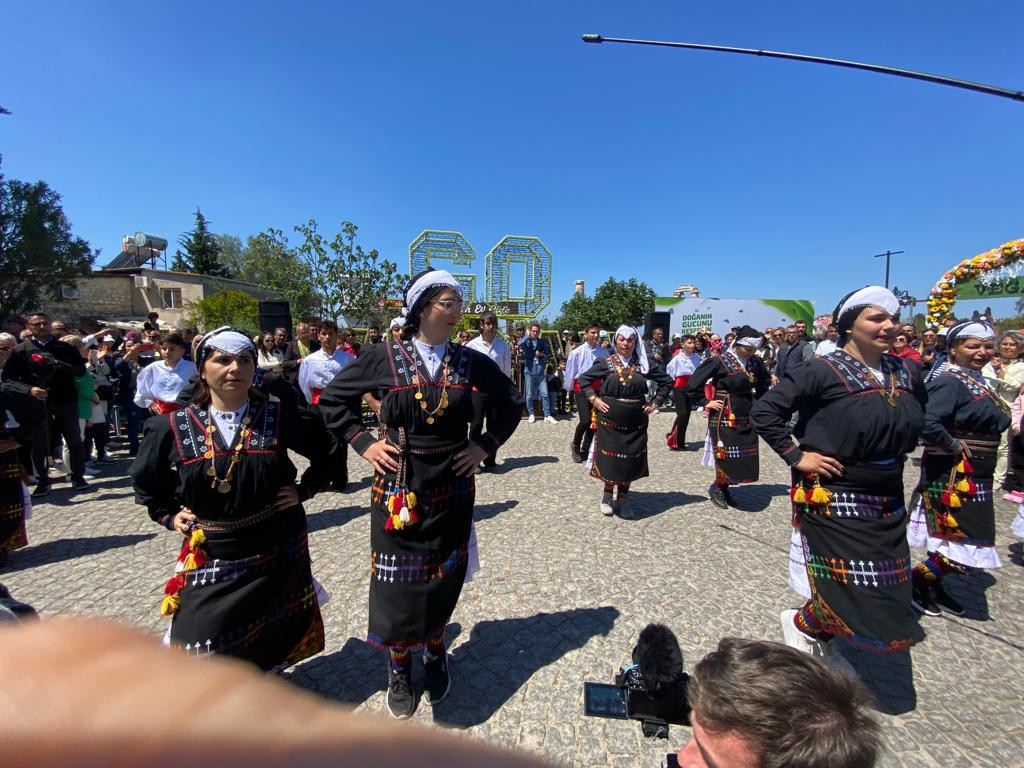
(722, 315)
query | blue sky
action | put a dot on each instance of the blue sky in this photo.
(748, 177)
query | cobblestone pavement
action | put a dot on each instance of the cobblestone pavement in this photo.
(564, 593)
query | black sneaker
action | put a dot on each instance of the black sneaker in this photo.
(41, 491)
(946, 601)
(437, 681)
(80, 485)
(401, 696)
(718, 496)
(922, 601)
(577, 455)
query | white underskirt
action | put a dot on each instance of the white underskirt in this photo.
(473, 563)
(798, 581)
(591, 453)
(964, 554)
(26, 497)
(1018, 523)
(708, 459)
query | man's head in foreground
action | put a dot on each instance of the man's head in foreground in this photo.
(764, 705)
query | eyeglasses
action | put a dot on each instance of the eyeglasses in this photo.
(448, 305)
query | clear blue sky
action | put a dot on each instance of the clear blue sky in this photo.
(748, 177)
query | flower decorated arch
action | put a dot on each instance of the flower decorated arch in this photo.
(1006, 258)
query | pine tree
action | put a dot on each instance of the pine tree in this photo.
(202, 252)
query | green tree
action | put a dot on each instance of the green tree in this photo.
(614, 302)
(577, 313)
(230, 307)
(230, 254)
(202, 252)
(270, 262)
(347, 280)
(38, 251)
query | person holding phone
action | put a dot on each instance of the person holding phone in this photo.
(533, 355)
(423, 490)
(620, 440)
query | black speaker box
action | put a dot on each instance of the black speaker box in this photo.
(656, 320)
(275, 314)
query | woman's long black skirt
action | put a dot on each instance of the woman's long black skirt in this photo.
(857, 558)
(417, 572)
(620, 442)
(735, 445)
(12, 503)
(254, 599)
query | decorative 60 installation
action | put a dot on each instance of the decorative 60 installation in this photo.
(505, 294)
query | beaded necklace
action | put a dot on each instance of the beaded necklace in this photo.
(223, 485)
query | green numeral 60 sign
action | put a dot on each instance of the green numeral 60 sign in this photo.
(527, 297)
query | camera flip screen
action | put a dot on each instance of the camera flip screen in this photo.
(603, 700)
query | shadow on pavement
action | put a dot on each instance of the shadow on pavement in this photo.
(487, 511)
(888, 676)
(1017, 553)
(351, 675)
(502, 654)
(69, 549)
(645, 505)
(334, 518)
(756, 497)
(970, 591)
(521, 462)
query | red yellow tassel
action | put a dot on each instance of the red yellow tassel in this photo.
(197, 539)
(951, 522)
(951, 499)
(964, 486)
(964, 467)
(820, 495)
(170, 605)
(798, 495)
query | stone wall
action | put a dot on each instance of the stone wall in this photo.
(98, 296)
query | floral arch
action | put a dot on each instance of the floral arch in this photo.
(1006, 260)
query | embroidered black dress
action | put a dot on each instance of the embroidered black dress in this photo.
(417, 571)
(849, 555)
(248, 591)
(961, 409)
(731, 440)
(14, 502)
(620, 439)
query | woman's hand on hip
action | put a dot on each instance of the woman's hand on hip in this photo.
(467, 460)
(287, 497)
(820, 464)
(600, 405)
(383, 456)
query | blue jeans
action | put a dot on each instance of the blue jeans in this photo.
(537, 388)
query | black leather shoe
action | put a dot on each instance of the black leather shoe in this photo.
(718, 496)
(577, 454)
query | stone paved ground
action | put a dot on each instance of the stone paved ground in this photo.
(564, 593)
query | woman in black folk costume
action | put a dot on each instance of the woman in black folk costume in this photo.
(731, 381)
(963, 423)
(423, 488)
(217, 472)
(860, 413)
(619, 450)
(20, 415)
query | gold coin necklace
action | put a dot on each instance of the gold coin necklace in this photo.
(625, 373)
(442, 402)
(223, 484)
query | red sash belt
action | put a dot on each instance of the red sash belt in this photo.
(682, 382)
(163, 407)
(596, 385)
(316, 395)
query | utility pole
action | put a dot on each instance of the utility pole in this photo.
(888, 255)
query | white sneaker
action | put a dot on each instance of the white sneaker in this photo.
(837, 661)
(794, 638)
(532, 418)
(550, 420)
(606, 505)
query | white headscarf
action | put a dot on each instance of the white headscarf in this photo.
(396, 322)
(625, 331)
(977, 329)
(226, 339)
(428, 279)
(869, 296)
